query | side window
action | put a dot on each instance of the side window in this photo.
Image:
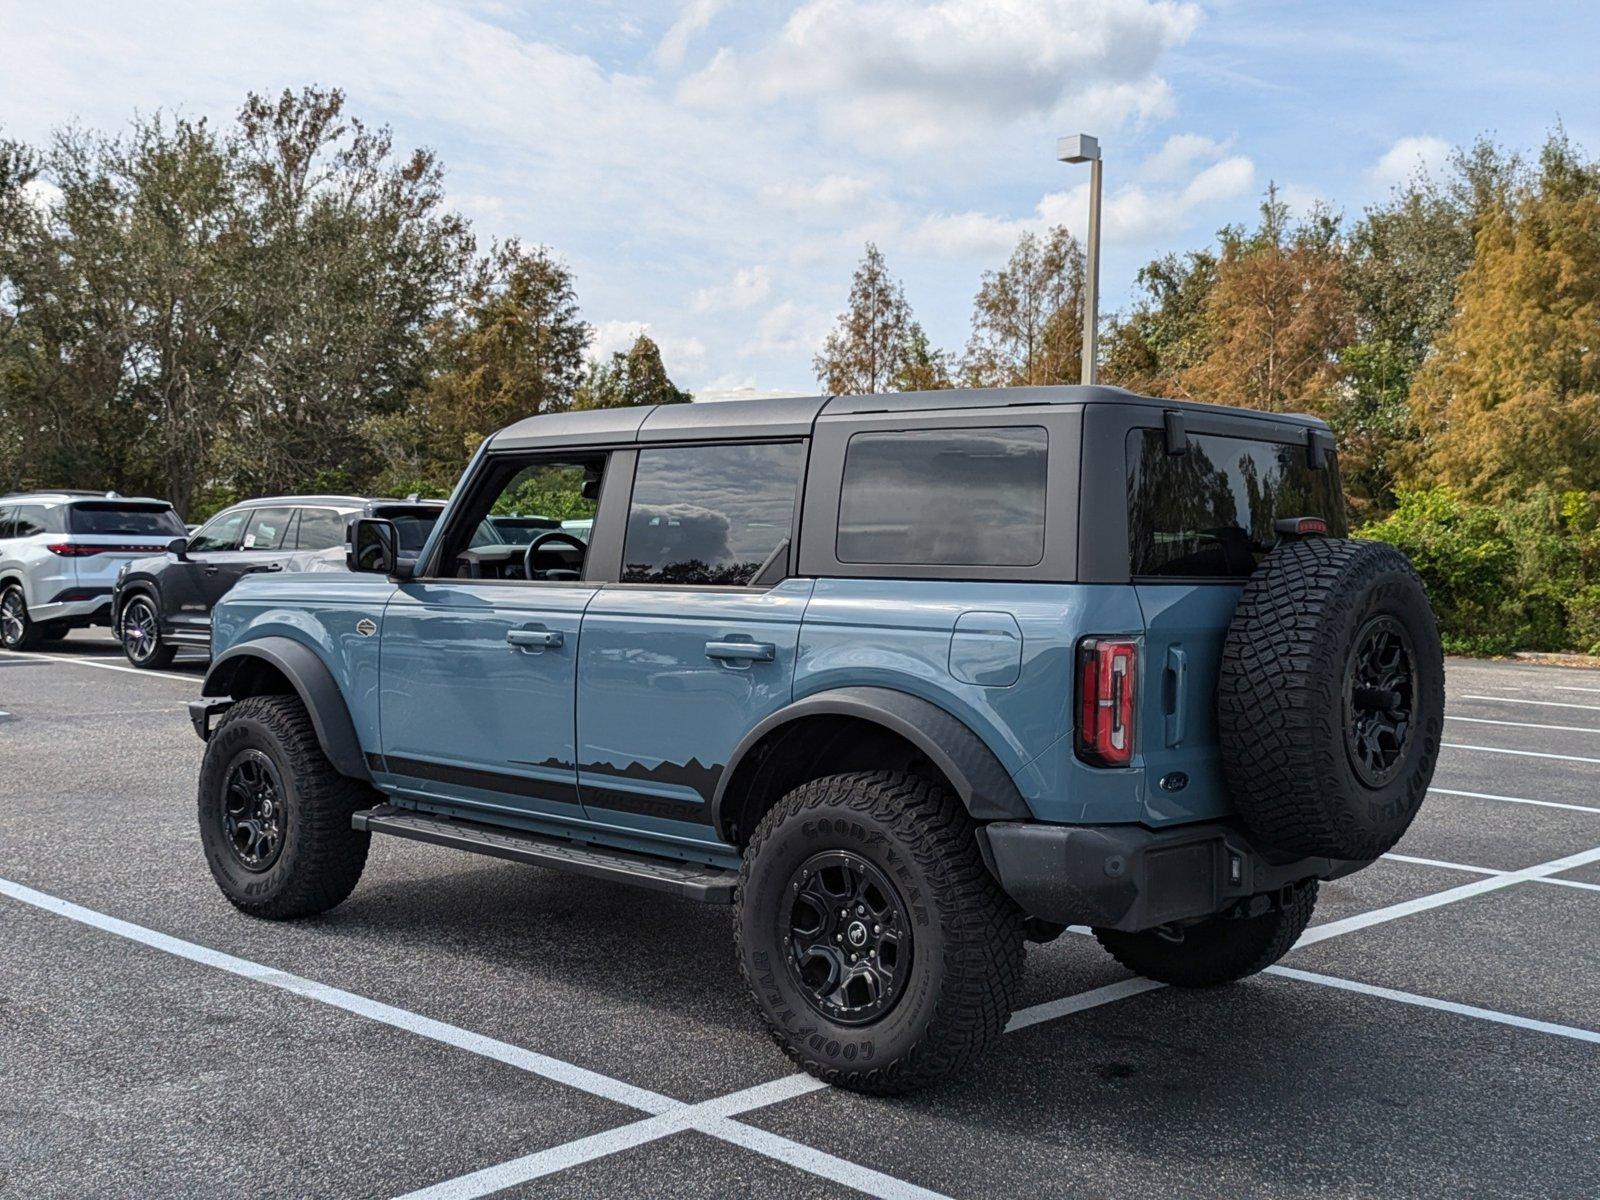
(713, 515)
(30, 520)
(268, 529)
(321, 528)
(8, 524)
(221, 532)
(945, 497)
(517, 502)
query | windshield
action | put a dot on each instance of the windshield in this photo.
(126, 518)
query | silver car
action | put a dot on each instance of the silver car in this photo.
(60, 553)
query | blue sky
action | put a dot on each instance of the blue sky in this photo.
(710, 170)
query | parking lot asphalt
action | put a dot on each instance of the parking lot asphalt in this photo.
(466, 1027)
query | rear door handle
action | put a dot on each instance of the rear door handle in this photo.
(742, 651)
(1176, 699)
(534, 639)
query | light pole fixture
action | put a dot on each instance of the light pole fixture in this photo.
(1080, 147)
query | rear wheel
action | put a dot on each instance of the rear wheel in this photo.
(140, 634)
(17, 631)
(275, 815)
(1217, 950)
(882, 955)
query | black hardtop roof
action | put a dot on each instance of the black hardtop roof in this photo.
(795, 415)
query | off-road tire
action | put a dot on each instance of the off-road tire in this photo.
(1216, 951)
(32, 633)
(322, 856)
(966, 947)
(164, 652)
(1284, 695)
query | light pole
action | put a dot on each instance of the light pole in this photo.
(1080, 147)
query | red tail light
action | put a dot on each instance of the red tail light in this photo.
(79, 550)
(1107, 668)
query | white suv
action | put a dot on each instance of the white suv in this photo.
(59, 557)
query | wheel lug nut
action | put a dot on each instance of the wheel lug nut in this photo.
(838, 937)
(877, 929)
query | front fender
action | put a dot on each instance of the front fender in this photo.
(980, 780)
(311, 680)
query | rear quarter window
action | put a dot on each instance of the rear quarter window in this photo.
(945, 497)
(1209, 513)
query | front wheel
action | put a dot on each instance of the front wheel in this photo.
(17, 631)
(140, 634)
(275, 815)
(1217, 950)
(881, 953)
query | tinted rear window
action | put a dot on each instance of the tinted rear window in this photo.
(126, 518)
(954, 497)
(414, 523)
(1209, 513)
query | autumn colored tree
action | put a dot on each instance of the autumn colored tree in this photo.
(636, 376)
(1278, 315)
(1167, 332)
(1027, 318)
(1511, 397)
(865, 351)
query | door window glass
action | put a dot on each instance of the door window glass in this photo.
(8, 524)
(31, 520)
(1209, 513)
(713, 515)
(321, 528)
(947, 497)
(221, 532)
(268, 529)
(491, 538)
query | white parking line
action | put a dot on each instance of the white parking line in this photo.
(105, 666)
(1523, 724)
(707, 1120)
(1450, 1006)
(1568, 688)
(1515, 800)
(1455, 866)
(1545, 703)
(1519, 753)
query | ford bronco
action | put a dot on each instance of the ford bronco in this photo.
(908, 680)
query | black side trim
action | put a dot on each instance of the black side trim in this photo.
(74, 595)
(983, 784)
(644, 804)
(312, 682)
(476, 777)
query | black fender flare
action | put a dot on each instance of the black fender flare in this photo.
(312, 682)
(973, 769)
(131, 586)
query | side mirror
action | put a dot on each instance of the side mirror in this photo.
(373, 547)
(179, 549)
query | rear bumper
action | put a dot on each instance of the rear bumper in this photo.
(203, 712)
(1130, 878)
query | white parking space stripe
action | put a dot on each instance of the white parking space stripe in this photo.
(1545, 703)
(1524, 724)
(1450, 1006)
(1434, 862)
(105, 666)
(1514, 800)
(1067, 1005)
(1568, 688)
(1519, 753)
(707, 1118)
(1465, 891)
(1572, 883)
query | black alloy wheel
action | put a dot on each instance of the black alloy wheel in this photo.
(1379, 693)
(13, 619)
(254, 817)
(847, 938)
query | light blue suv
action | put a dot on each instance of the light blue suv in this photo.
(908, 679)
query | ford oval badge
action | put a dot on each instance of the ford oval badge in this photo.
(1174, 781)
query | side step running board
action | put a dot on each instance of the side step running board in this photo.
(696, 881)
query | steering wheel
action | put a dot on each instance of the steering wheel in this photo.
(550, 535)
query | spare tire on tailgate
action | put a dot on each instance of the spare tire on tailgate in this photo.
(1330, 704)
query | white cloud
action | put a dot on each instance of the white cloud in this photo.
(1178, 156)
(42, 194)
(913, 77)
(748, 286)
(822, 197)
(674, 44)
(1408, 157)
(788, 327)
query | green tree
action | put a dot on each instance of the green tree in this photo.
(1027, 318)
(864, 352)
(1511, 397)
(922, 367)
(1168, 331)
(634, 377)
